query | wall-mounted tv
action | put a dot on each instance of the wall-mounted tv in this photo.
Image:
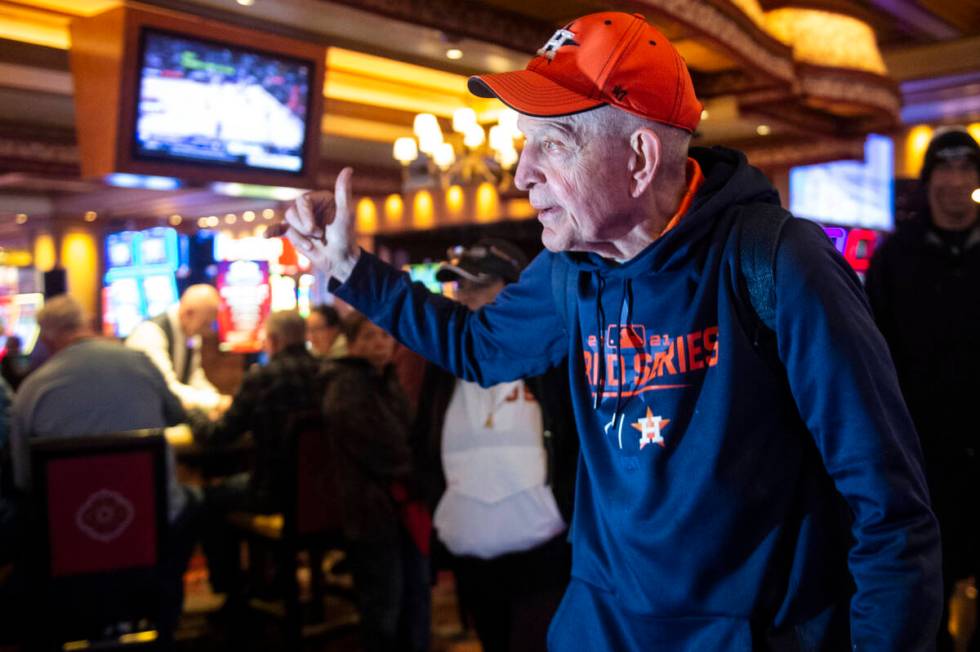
(848, 193)
(162, 94)
(202, 101)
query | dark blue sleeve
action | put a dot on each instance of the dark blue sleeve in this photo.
(844, 383)
(518, 335)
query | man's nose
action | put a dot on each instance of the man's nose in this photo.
(528, 172)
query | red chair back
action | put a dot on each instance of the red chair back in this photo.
(104, 500)
(317, 507)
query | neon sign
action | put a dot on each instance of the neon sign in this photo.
(855, 245)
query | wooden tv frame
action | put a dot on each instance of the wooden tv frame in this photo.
(105, 64)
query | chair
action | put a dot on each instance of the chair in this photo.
(310, 522)
(100, 528)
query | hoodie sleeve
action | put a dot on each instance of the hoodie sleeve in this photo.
(520, 334)
(846, 390)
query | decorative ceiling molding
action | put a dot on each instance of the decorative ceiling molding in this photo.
(786, 154)
(727, 27)
(463, 19)
(845, 97)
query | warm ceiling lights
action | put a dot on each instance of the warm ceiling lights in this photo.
(90, 216)
(826, 39)
(763, 130)
(454, 54)
(976, 195)
(175, 220)
(21, 218)
(245, 3)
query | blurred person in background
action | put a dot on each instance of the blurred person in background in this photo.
(924, 288)
(267, 397)
(15, 364)
(324, 332)
(508, 535)
(92, 385)
(172, 340)
(366, 415)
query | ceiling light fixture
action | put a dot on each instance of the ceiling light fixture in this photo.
(466, 154)
(454, 54)
(763, 130)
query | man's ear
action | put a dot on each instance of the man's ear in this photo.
(645, 157)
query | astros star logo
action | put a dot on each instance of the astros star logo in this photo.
(650, 428)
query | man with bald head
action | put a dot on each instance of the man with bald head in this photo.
(172, 340)
(749, 476)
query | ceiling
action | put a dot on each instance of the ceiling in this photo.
(931, 49)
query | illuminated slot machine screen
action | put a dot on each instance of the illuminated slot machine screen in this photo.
(159, 292)
(425, 273)
(246, 299)
(123, 304)
(119, 249)
(283, 292)
(18, 314)
(304, 293)
(158, 247)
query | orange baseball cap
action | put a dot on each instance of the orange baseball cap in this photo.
(604, 58)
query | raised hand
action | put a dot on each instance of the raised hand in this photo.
(320, 225)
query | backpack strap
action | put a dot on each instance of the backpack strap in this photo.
(561, 288)
(760, 226)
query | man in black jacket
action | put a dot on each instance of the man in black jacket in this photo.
(507, 538)
(268, 395)
(924, 287)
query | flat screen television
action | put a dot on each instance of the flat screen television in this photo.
(203, 101)
(848, 193)
(161, 94)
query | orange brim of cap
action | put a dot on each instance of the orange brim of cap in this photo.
(531, 93)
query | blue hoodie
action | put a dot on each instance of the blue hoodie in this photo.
(706, 515)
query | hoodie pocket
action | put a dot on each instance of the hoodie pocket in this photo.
(589, 620)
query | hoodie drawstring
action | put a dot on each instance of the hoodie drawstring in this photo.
(600, 318)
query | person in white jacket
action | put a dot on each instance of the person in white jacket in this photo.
(172, 340)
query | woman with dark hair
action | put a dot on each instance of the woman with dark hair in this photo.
(324, 332)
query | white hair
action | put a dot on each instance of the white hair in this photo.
(608, 124)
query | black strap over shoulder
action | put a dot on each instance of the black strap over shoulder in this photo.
(760, 226)
(561, 286)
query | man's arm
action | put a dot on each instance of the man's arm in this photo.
(237, 420)
(151, 340)
(518, 335)
(846, 390)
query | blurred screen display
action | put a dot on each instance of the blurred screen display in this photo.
(425, 273)
(123, 305)
(246, 298)
(119, 248)
(848, 193)
(160, 291)
(206, 102)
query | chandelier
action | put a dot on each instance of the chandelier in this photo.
(469, 154)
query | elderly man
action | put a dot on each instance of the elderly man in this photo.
(924, 287)
(740, 487)
(172, 341)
